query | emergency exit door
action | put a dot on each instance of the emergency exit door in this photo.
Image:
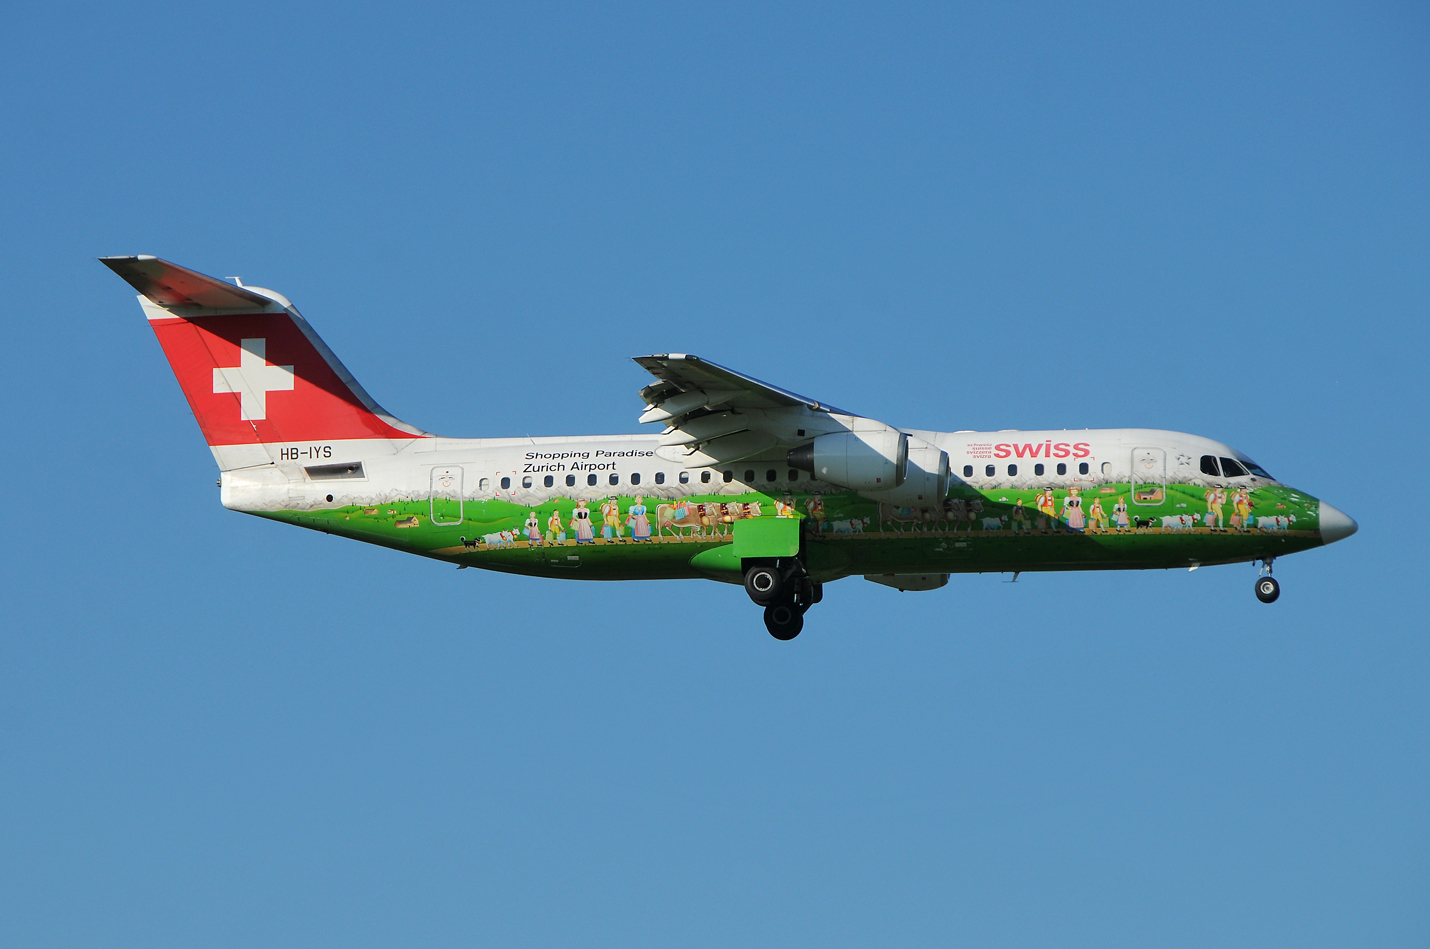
(1149, 476)
(446, 496)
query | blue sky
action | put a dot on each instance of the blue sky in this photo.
(1213, 218)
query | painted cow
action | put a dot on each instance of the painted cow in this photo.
(1275, 522)
(1179, 522)
(707, 519)
(912, 518)
(957, 512)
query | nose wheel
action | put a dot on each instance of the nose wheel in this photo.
(1267, 589)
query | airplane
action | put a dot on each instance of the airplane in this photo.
(746, 483)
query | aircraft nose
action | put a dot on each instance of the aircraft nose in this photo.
(1335, 525)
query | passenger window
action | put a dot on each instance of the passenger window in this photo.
(485, 484)
(704, 477)
(660, 477)
(729, 476)
(526, 482)
(749, 476)
(1232, 468)
(505, 483)
(570, 481)
(968, 471)
(793, 475)
(635, 477)
(990, 471)
(772, 475)
(591, 479)
(615, 479)
(1209, 466)
(1107, 467)
(1038, 469)
(685, 477)
(1062, 468)
(549, 481)
(1082, 468)
(1012, 471)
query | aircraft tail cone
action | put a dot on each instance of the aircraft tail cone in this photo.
(1335, 525)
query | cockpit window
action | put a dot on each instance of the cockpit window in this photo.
(1259, 471)
(1232, 468)
(1209, 466)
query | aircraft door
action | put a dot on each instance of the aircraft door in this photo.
(1149, 476)
(446, 496)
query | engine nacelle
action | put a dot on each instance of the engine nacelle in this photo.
(925, 479)
(864, 461)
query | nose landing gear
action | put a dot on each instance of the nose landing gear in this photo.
(786, 592)
(1267, 589)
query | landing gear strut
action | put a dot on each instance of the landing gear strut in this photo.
(785, 590)
(1267, 589)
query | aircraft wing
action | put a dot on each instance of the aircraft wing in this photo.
(715, 415)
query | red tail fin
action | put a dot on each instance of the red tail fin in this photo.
(252, 368)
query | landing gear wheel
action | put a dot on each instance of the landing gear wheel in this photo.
(784, 620)
(764, 584)
(1267, 590)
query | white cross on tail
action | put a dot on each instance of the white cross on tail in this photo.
(253, 379)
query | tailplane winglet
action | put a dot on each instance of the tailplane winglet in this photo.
(170, 285)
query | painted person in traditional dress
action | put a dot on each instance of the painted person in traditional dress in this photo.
(554, 528)
(1072, 511)
(815, 507)
(636, 517)
(533, 529)
(1019, 519)
(1216, 497)
(581, 524)
(1120, 518)
(785, 508)
(611, 519)
(1241, 503)
(1096, 516)
(1047, 507)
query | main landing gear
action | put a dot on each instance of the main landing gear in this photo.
(1267, 589)
(784, 589)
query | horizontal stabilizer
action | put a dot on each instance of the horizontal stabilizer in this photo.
(170, 285)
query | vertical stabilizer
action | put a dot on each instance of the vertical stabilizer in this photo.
(260, 382)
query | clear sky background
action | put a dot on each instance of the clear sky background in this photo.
(220, 731)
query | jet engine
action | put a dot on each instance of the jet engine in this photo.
(864, 461)
(925, 477)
